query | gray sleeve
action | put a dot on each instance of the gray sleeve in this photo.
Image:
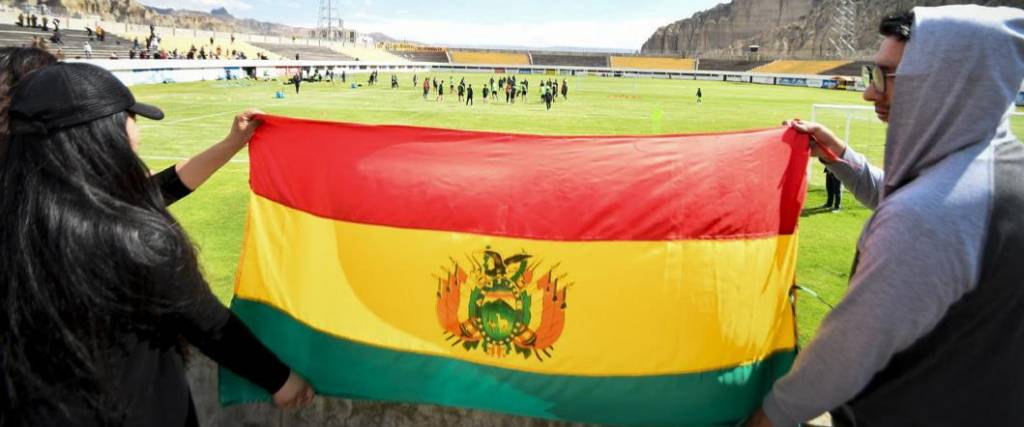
(917, 258)
(857, 175)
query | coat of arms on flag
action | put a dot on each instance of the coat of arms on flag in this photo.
(501, 316)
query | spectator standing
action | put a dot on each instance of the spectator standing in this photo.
(835, 191)
(932, 314)
(105, 349)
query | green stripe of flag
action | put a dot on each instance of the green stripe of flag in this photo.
(339, 367)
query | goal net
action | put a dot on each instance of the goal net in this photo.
(858, 125)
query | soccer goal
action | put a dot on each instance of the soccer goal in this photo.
(859, 124)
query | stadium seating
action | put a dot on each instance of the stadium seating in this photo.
(305, 52)
(738, 65)
(421, 55)
(74, 41)
(799, 67)
(183, 43)
(471, 57)
(569, 60)
(651, 63)
(369, 54)
(851, 69)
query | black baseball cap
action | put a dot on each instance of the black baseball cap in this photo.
(68, 94)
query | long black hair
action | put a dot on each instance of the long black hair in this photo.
(82, 234)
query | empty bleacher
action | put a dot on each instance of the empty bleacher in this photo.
(305, 52)
(73, 41)
(421, 55)
(738, 65)
(369, 54)
(850, 70)
(651, 63)
(504, 58)
(786, 66)
(569, 60)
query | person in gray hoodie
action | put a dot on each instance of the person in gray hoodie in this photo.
(931, 330)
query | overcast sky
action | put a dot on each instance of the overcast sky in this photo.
(535, 23)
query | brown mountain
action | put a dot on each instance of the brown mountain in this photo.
(783, 28)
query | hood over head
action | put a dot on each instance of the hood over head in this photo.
(955, 86)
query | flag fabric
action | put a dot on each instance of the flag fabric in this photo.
(633, 280)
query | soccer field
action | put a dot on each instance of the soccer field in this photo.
(198, 115)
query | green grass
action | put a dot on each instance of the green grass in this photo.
(198, 115)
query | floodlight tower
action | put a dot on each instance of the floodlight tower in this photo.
(843, 34)
(327, 20)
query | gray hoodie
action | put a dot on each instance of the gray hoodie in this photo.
(921, 251)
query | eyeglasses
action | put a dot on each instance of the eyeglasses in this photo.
(873, 74)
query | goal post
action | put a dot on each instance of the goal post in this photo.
(847, 113)
(851, 117)
(858, 126)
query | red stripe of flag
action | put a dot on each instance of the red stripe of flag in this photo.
(668, 187)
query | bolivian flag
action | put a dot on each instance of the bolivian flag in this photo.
(636, 280)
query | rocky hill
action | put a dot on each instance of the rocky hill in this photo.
(133, 12)
(782, 28)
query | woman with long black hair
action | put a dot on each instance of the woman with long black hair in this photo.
(99, 285)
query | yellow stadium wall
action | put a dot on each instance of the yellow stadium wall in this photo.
(652, 63)
(489, 58)
(799, 67)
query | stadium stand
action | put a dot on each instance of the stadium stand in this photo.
(799, 67)
(738, 65)
(183, 43)
(569, 60)
(421, 56)
(369, 54)
(651, 63)
(852, 69)
(504, 58)
(305, 52)
(73, 41)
